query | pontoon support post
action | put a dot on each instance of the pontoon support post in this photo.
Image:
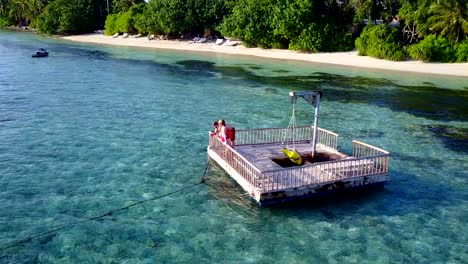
(316, 117)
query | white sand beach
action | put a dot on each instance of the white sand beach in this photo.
(338, 58)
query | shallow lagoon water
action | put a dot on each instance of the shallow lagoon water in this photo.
(94, 128)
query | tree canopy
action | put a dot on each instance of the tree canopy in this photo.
(303, 25)
(67, 16)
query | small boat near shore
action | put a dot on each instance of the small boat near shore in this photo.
(40, 53)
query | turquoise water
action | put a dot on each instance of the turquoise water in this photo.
(94, 128)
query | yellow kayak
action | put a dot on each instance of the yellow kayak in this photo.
(293, 156)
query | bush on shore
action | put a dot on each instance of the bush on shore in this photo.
(439, 49)
(310, 40)
(302, 25)
(110, 27)
(294, 24)
(124, 22)
(337, 38)
(381, 42)
(462, 51)
(433, 48)
(251, 21)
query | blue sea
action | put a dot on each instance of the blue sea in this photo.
(91, 129)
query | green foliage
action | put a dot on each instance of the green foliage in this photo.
(206, 14)
(372, 10)
(251, 22)
(5, 22)
(122, 6)
(366, 9)
(3, 8)
(35, 9)
(19, 11)
(146, 22)
(311, 39)
(449, 18)
(380, 42)
(462, 51)
(110, 28)
(303, 25)
(67, 17)
(124, 23)
(22, 12)
(291, 18)
(433, 48)
(413, 14)
(166, 16)
(337, 38)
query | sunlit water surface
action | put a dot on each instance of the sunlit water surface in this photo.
(94, 128)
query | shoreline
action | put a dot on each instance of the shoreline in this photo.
(350, 59)
(19, 29)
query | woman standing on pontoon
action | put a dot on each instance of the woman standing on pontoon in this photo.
(224, 132)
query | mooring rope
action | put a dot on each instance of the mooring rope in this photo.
(28, 239)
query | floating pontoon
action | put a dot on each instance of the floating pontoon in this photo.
(260, 167)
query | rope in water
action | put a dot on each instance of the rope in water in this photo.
(22, 241)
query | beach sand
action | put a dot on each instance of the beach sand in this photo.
(338, 58)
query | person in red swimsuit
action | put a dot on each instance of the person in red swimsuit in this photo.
(226, 133)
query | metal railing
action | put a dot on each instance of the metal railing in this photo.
(361, 149)
(272, 135)
(280, 135)
(322, 173)
(327, 138)
(241, 165)
(366, 160)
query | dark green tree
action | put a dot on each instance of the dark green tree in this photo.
(291, 18)
(68, 17)
(121, 6)
(166, 16)
(206, 14)
(251, 21)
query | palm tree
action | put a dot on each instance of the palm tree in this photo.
(19, 10)
(449, 18)
(3, 7)
(35, 7)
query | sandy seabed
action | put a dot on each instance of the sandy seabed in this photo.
(338, 58)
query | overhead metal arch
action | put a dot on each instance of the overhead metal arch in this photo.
(313, 98)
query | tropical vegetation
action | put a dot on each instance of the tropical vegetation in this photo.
(429, 30)
(381, 42)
